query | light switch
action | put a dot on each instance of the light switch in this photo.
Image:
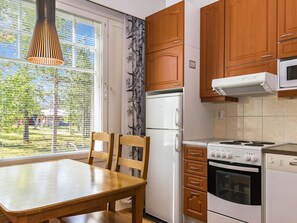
(192, 64)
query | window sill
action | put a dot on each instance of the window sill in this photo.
(42, 158)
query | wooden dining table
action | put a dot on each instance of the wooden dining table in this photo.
(37, 192)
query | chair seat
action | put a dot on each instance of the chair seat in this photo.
(96, 217)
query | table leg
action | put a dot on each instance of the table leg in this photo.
(137, 205)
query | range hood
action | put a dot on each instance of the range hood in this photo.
(246, 84)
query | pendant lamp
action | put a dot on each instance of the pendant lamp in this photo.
(45, 46)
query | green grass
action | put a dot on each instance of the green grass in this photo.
(12, 145)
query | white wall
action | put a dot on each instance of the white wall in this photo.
(137, 8)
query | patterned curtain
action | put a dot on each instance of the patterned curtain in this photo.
(134, 91)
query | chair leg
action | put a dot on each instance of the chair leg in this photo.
(111, 206)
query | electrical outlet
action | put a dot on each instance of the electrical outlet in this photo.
(220, 114)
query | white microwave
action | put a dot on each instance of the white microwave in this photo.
(287, 73)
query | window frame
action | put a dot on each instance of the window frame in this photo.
(76, 155)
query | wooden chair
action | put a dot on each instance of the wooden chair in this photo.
(110, 216)
(106, 156)
(100, 155)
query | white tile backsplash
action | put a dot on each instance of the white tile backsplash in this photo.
(267, 118)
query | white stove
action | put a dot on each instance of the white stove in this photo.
(235, 181)
(239, 151)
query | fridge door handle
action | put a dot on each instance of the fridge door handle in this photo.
(177, 143)
(177, 118)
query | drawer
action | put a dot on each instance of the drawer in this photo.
(195, 204)
(195, 153)
(196, 168)
(195, 182)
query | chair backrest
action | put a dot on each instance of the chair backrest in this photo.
(106, 156)
(3, 218)
(133, 141)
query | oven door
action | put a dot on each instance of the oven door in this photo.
(234, 191)
(288, 73)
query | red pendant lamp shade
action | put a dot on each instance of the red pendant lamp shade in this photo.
(45, 46)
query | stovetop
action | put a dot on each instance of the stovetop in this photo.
(244, 144)
(239, 151)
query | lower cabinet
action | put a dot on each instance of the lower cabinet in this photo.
(195, 182)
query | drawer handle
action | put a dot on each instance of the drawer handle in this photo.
(287, 34)
(176, 41)
(175, 84)
(293, 163)
(195, 168)
(194, 182)
(195, 154)
(266, 56)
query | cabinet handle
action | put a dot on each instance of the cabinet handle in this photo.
(194, 182)
(195, 154)
(287, 34)
(175, 84)
(194, 168)
(266, 56)
(176, 41)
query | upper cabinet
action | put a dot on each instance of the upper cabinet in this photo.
(287, 28)
(211, 47)
(250, 29)
(165, 49)
(165, 28)
(287, 19)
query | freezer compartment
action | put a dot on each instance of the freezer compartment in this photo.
(164, 111)
(163, 190)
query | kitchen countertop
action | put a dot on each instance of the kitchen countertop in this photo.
(286, 149)
(200, 142)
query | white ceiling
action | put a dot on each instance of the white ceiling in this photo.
(137, 8)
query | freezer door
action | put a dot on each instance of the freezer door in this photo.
(164, 111)
(163, 190)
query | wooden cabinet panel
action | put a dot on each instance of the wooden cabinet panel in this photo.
(164, 69)
(265, 66)
(287, 48)
(165, 29)
(287, 19)
(195, 153)
(196, 168)
(250, 31)
(195, 204)
(212, 47)
(194, 182)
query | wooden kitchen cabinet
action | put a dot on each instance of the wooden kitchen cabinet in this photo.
(165, 29)
(250, 31)
(195, 182)
(287, 19)
(165, 49)
(165, 69)
(212, 50)
(211, 46)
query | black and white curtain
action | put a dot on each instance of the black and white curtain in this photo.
(134, 89)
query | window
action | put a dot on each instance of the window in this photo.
(44, 109)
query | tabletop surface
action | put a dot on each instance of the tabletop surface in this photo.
(31, 187)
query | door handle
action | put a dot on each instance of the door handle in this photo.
(177, 143)
(287, 34)
(267, 56)
(177, 118)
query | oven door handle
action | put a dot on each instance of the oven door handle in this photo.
(230, 167)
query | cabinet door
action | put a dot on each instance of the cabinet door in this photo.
(287, 19)
(212, 47)
(195, 204)
(165, 28)
(164, 69)
(250, 31)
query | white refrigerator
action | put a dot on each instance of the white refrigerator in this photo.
(164, 126)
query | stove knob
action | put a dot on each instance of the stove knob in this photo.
(223, 155)
(229, 155)
(218, 154)
(247, 157)
(254, 159)
(212, 154)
